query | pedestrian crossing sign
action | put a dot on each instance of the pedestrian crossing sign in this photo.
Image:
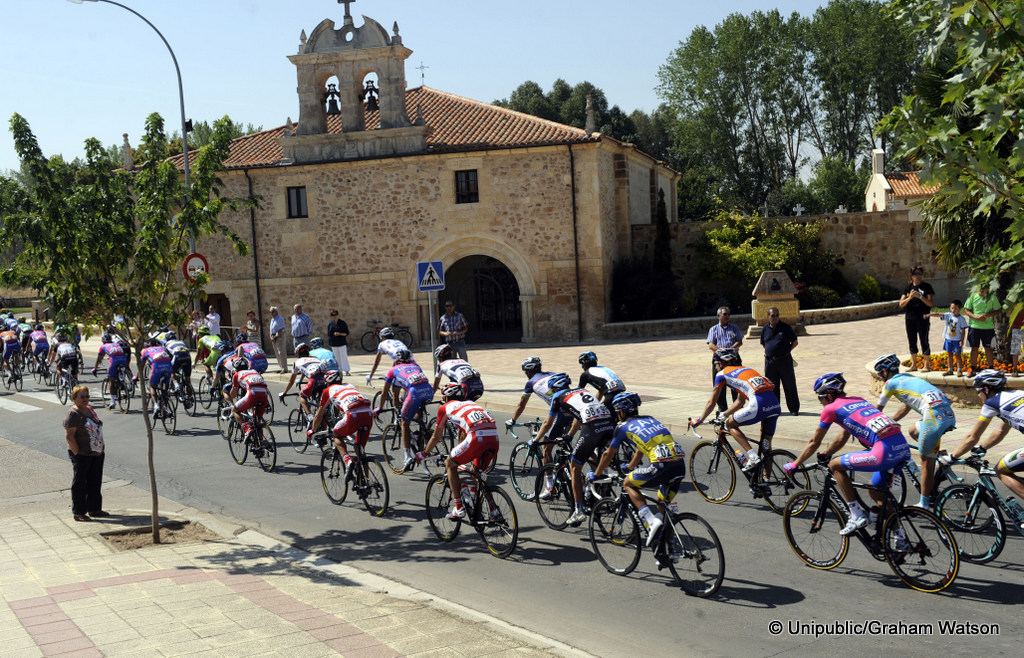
(430, 275)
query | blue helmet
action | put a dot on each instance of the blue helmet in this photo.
(316, 343)
(559, 382)
(588, 359)
(887, 362)
(627, 402)
(832, 382)
(222, 347)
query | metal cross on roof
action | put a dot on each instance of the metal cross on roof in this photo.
(423, 76)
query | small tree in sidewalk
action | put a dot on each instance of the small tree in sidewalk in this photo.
(94, 241)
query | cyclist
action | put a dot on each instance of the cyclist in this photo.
(651, 438)
(206, 350)
(457, 371)
(606, 382)
(256, 396)
(118, 359)
(354, 410)
(64, 355)
(408, 376)
(538, 382)
(886, 447)
(227, 366)
(756, 402)
(313, 370)
(10, 322)
(595, 425)
(479, 442)
(12, 348)
(24, 331)
(936, 415)
(317, 349)
(40, 344)
(1009, 407)
(388, 345)
(157, 360)
(181, 360)
(252, 352)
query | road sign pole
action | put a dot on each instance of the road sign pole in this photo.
(432, 297)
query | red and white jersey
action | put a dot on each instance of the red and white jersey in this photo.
(345, 397)
(470, 417)
(249, 380)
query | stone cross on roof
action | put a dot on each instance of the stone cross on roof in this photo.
(348, 15)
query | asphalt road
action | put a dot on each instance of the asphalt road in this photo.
(552, 584)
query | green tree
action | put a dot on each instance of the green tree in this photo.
(837, 182)
(95, 241)
(529, 98)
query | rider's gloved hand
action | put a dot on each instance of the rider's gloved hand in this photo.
(824, 458)
(419, 457)
(789, 467)
(376, 412)
(978, 451)
(93, 371)
(696, 421)
(367, 379)
(309, 433)
(945, 459)
(510, 423)
(590, 476)
(280, 396)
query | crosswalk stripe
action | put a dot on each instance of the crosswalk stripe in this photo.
(8, 404)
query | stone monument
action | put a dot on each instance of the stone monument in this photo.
(774, 288)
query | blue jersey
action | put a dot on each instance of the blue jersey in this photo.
(650, 437)
(916, 393)
(407, 376)
(326, 356)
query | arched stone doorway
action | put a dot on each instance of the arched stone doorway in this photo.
(487, 293)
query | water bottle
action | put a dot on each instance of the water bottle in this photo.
(468, 495)
(872, 515)
(914, 468)
(741, 457)
(1015, 508)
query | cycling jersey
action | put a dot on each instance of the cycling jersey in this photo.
(308, 366)
(356, 419)
(11, 324)
(479, 430)
(762, 404)
(206, 350)
(159, 361)
(538, 385)
(409, 377)
(745, 381)
(256, 356)
(118, 359)
(603, 379)
(465, 375)
(11, 344)
(41, 344)
(936, 411)
(66, 353)
(875, 430)
(1008, 405)
(596, 424)
(255, 391)
(326, 356)
(650, 437)
(391, 347)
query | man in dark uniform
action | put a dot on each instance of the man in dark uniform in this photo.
(778, 340)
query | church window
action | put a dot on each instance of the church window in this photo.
(297, 202)
(466, 189)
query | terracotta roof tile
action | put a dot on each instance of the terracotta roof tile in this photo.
(456, 124)
(906, 184)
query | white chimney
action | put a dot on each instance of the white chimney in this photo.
(877, 161)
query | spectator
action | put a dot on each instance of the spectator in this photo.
(916, 303)
(980, 308)
(302, 326)
(83, 431)
(252, 327)
(778, 340)
(453, 328)
(194, 323)
(213, 321)
(337, 338)
(1016, 344)
(277, 336)
(722, 335)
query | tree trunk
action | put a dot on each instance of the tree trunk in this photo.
(146, 418)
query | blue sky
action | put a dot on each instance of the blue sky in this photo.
(95, 70)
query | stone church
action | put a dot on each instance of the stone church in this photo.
(528, 216)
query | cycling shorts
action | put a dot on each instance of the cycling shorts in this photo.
(414, 399)
(313, 387)
(881, 458)
(479, 447)
(659, 474)
(473, 388)
(933, 424)
(255, 396)
(183, 365)
(212, 359)
(159, 371)
(763, 408)
(589, 440)
(116, 363)
(68, 364)
(1013, 461)
(357, 423)
(41, 349)
(11, 348)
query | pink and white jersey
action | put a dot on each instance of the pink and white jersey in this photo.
(456, 370)
(252, 351)
(250, 380)
(308, 366)
(391, 347)
(864, 421)
(155, 354)
(39, 337)
(470, 417)
(345, 397)
(112, 349)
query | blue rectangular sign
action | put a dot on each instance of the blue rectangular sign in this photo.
(430, 275)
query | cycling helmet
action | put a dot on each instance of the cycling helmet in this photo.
(832, 382)
(888, 362)
(222, 347)
(240, 338)
(728, 356)
(443, 352)
(107, 338)
(588, 359)
(387, 332)
(39, 327)
(170, 335)
(559, 382)
(21, 318)
(241, 363)
(152, 342)
(453, 391)
(61, 338)
(316, 343)
(204, 331)
(302, 349)
(531, 366)
(10, 315)
(333, 377)
(989, 379)
(627, 402)
(403, 356)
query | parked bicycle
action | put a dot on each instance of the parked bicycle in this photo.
(371, 339)
(917, 545)
(713, 466)
(489, 510)
(259, 441)
(975, 512)
(686, 544)
(364, 474)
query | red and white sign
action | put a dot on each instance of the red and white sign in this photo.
(195, 264)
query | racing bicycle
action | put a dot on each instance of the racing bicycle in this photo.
(259, 441)
(364, 475)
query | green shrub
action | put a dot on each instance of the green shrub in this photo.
(819, 297)
(868, 289)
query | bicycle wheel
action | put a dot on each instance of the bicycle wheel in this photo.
(775, 485)
(976, 523)
(712, 472)
(404, 336)
(37, 371)
(124, 396)
(373, 487)
(268, 411)
(333, 476)
(815, 540)
(188, 398)
(920, 549)
(297, 431)
(62, 390)
(265, 449)
(615, 536)
(16, 375)
(695, 555)
(205, 393)
(387, 414)
(497, 522)
(523, 467)
(899, 485)
(438, 501)
(369, 342)
(558, 504)
(236, 443)
(169, 412)
(224, 419)
(5, 374)
(391, 447)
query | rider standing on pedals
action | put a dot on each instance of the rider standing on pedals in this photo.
(458, 371)
(756, 402)
(606, 382)
(480, 436)
(886, 447)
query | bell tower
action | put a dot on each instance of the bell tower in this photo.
(351, 53)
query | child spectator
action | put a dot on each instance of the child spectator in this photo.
(953, 334)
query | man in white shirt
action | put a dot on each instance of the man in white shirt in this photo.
(213, 321)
